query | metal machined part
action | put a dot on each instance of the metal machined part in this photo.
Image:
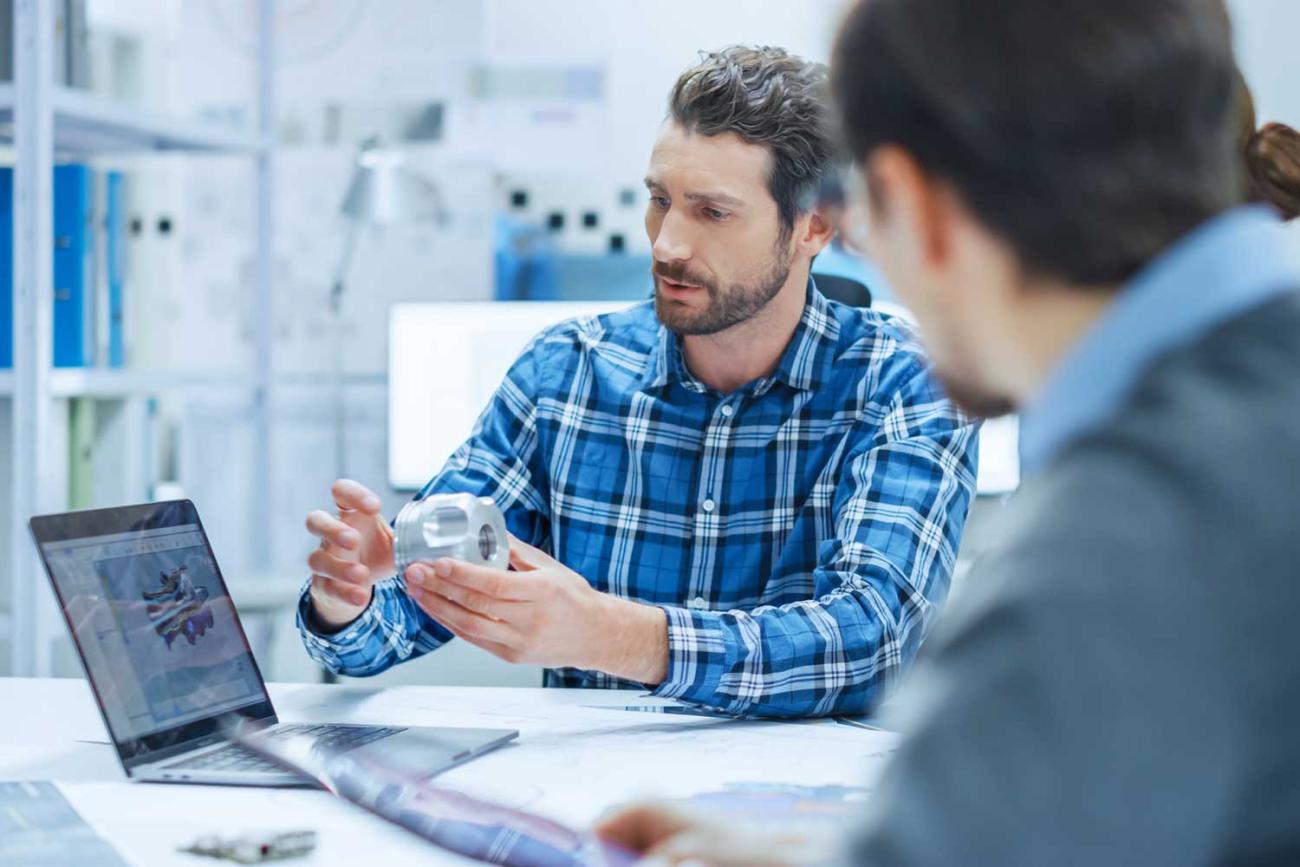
(459, 526)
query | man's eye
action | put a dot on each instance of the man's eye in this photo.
(715, 214)
(660, 202)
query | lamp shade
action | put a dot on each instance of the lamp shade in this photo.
(383, 190)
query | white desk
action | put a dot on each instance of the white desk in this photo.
(570, 763)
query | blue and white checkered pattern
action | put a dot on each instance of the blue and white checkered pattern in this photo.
(800, 533)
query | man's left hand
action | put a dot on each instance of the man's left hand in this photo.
(543, 613)
(665, 834)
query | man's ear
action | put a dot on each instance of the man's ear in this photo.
(916, 206)
(815, 231)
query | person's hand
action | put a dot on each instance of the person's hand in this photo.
(543, 613)
(664, 834)
(356, 550)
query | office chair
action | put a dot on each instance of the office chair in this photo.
(845, 290)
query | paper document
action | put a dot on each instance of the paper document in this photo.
(447, 818)
(39, 827)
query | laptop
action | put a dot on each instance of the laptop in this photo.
(169, 663)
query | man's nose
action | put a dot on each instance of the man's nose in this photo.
(671, 244)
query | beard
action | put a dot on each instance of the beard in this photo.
(973, 399)
(727, 306)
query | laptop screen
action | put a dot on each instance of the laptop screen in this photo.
(150, 615)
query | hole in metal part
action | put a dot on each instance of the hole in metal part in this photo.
(487, 542)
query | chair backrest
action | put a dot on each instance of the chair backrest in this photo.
(845, 290)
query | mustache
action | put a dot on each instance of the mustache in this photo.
(677, 272)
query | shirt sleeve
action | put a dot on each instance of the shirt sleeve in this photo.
(881, 577)
(500, 460)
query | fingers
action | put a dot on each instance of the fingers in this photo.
(667, 835)
(423, 577)
(464, 623)
(355, 497)
(525, 557)
(496, 583)
(501, 651)
(342, 591)
(708, 843)
(325, 564)
(642, 827)
(327, 528)
(698, 847)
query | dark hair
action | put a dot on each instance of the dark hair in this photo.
(1089, 135)
(769, 97)
(1271, 158)
(1273, 168)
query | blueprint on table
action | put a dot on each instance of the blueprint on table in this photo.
(39, 827)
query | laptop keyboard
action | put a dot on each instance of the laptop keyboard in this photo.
(235, 758)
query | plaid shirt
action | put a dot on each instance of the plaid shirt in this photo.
(799, 533)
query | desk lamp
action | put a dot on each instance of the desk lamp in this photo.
(382, 191)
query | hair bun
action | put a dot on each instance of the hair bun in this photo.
(1273, 168)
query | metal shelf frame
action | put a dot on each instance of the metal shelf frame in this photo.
(43, 120)
(85, 123)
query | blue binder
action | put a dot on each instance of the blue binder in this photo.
(80, 305)
(74, 266)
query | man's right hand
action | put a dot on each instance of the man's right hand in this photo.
(356, 550)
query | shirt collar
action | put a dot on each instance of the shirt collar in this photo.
(804, 364)
(1223, 268)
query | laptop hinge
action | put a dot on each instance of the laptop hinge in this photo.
(164, 754)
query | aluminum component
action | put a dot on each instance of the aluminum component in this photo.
(459, 526)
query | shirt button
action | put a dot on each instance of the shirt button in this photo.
(698, 603)
(708, 505)
(727, 410)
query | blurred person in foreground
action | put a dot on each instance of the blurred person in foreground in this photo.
(1053, 188)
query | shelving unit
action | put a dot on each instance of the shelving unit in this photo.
(85, 123)
(100, 383)
(42, 120)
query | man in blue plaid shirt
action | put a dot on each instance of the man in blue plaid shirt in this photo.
(751, 496)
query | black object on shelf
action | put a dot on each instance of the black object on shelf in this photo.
(555, 221)
(617, 243)
(590, 219)
(518, 198)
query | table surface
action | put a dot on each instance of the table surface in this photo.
(571, 762)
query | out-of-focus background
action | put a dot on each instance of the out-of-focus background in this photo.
(229, 209)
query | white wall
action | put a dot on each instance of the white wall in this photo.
(645, 45)
(1267, 36)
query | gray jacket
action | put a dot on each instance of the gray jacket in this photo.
(1120, 683)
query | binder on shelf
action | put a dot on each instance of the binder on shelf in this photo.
(6, 268)
(74, 266)
(89, 267)
(70, 40)
(81, 453)
(110, 226)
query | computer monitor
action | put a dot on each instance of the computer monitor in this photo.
(445, 361)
